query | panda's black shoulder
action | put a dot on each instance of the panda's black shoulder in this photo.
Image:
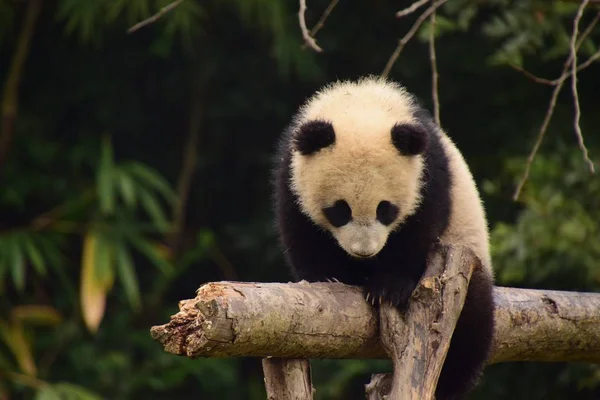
(434, 211)
(437, 164)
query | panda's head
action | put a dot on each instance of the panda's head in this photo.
(357, 162)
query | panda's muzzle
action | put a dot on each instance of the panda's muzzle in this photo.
(361, 251)
(362, 240)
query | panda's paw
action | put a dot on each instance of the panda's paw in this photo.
(397, 296)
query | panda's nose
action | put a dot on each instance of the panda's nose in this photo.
(362, 249)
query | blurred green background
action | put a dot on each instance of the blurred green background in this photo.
(135, 167)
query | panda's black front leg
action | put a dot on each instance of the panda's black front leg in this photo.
(394, 281)
(390, 288)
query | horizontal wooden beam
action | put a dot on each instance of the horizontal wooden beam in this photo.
(333, 320)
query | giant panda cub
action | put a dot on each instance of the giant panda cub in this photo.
(365, 184)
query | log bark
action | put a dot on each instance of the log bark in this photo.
(333, 320)
(418, 341)
(287, 379)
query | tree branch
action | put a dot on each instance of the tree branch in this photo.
(321, 22)
(155, 17)
(411, 9)
(188, 168)
(573, 57)
(10, 97)
(333, 320)
(402, 42)
(540, 137)
(308, 40)
(434, 70)
(570, 68)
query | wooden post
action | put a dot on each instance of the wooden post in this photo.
(418, 341)
(287, 379)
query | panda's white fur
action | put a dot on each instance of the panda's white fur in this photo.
(468, 224)
(362, 114)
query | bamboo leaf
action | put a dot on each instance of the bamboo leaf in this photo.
(105, 183)
(16, 262)
(127, 189)
(126, 271)
(47, 392)
(75, 392)
(152, 253)
(36, 314)
(151, 178)
(154, 210)
(14, 338)
(103, 265)
(37, 260)
(92, 291)
(51, 249)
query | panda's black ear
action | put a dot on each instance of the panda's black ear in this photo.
(410, 139)
(313, 136)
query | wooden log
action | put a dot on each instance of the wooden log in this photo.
(333, 320)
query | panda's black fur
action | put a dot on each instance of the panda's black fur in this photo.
(394, 272)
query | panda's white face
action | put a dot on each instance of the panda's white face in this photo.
(358, 195)
(346, 168)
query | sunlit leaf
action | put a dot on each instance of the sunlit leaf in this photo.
(126, 271)
(36, 314)
(14, 338)
(92, 290)
(105, 185)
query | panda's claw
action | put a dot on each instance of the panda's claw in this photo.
(335, 279)
(368, 295)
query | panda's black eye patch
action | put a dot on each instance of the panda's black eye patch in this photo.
(387, 212)
(339, 214)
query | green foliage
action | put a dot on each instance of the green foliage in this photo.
(89, 259)
(520, 28)
(65, 391)
(554, 239)
(21, 248)
(87, 19)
